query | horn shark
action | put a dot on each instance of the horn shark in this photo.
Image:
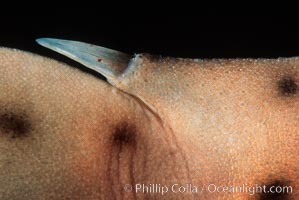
(159, 128)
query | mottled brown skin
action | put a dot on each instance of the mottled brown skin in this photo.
(65, 134)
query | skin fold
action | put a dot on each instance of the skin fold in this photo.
(65, 134)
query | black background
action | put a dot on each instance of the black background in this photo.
(193, 36)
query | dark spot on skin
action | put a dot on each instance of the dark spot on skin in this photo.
(123, 151)
(16, 125)
(124, 134)
(287, 86)
(280, 194)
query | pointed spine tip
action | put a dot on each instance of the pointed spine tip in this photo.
(42, 41)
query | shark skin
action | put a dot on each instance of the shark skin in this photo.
(165, 128)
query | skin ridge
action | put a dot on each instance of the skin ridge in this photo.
(171, 137)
